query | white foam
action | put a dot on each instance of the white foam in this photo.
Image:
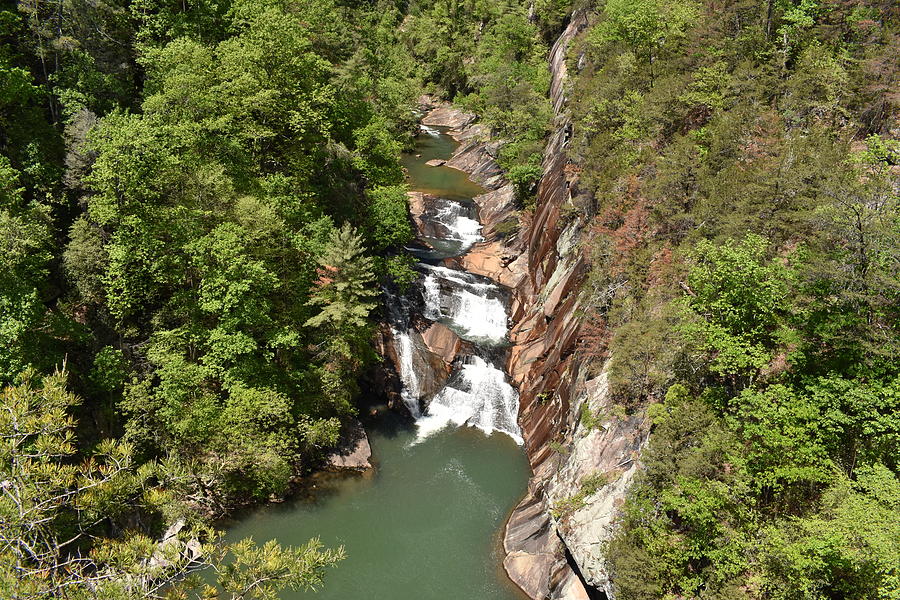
(404, 346)
(461, 227)
(481, 397)
(469, 308)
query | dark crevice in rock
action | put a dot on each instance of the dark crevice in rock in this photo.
(592, 593)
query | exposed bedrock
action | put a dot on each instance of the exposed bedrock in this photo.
(353, 451)
(553, 545)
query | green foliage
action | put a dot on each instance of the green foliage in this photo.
(110, 369)
(525, 178)
(847, 548)
(589, 485)
(589, 419)
(57, 518)
(399, 269)
(25, 252)
(737, 304)
(738, 257)
(344, 284)
(260, 572)
(388, 219)
(645, 25)
(551, 15)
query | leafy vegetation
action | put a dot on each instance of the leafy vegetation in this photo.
(736, 159)
(197, 205)
(55, 515)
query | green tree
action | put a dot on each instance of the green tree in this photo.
(737, 305)
(847, 549)
(55, 513)
(388, 217)
(345, 284)
(26, 244)
(645, 26)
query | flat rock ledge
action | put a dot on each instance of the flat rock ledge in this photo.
(443, 114)
(353, 452)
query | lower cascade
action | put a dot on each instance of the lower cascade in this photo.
(478, 395)
(477, 392)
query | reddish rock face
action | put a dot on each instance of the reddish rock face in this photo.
(540, 262)
(442, 342)
(494, 208)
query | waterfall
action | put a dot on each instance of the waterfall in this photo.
(460, 226)
(408, 375)
(477, 393)
(450, 229)
(430, 131)
(479, 396)
(473, 309)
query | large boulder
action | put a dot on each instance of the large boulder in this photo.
(441, 341)
(353, 451)
(445, 115)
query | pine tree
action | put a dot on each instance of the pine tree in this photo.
(345, 283)
(58, 507)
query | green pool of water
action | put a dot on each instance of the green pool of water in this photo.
(425, 525)
(440, 181)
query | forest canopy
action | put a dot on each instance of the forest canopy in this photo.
(740, 163)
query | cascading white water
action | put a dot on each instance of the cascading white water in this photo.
(430, 131)
(478, 393)
(408, 375)
(473, 309)
(480, 397)
(460, 277)
(460, 226)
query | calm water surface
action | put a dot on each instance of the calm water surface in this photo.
(441, 181)
(426, 524)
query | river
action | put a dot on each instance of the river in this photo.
(426, 523)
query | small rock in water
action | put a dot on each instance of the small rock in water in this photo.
(436, 162)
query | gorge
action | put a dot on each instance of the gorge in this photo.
(448, 347)
(429, 299)
(427, 519)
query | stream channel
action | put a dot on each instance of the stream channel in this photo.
(426, 523)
